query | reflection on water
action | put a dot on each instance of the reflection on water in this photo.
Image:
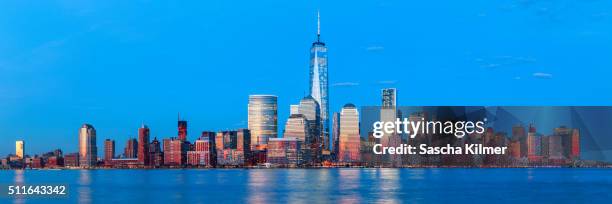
(417, 174)
(19, 179)
(389, 185)
(257, 182)
(84, 189)
(320, 185)
(349, 183)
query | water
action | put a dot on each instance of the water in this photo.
(321, 185)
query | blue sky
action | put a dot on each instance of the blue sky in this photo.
(115, 64)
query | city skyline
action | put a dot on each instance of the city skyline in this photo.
(51, 84)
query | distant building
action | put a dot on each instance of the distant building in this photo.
(125, 163)
(519, 134)
(175, 152)
(71, 160)
(182, 130)
(311, 111)
(233, 148)
(19, 148)
(204, 153)
(297, 127)
(335, 132)
(262, 118)
(88, 151)
(109, 151)
(570, 140)
(349, 134)
(555, 147)
(131, 148)
(243, 144)
(143, 145)
(156, 156)
(284, 151)
(38, 163)
(515, 149)
(531, 142)
(55, 162)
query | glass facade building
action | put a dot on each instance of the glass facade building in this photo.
(19, 148)
(143, 145)
(297, 127)
(88, 151)
(319, 81)
(309, 108)
(262, 118)
(349, 134)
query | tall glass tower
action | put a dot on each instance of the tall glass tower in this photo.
(262, 120)
(319, 82)
(88, 152)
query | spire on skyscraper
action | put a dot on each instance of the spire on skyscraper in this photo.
(318, 26)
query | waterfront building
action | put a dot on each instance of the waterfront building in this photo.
(20, 148)
(233, 148)
(71, 160)
(389, 113)
(262, 118)
(182, 129)
(555, 147)
(297, 126)
(243, 146)
(515, 149)
(156, 156)
(109, 151)
(534, 145)
(349, 134)
(54, 162)
(319, 81)
(88, 151)
(37, 163)
(143, 145)
(175, 152)
(518, 134)
(125, 163)
(335, 132)
(570, 139)
(284, 152)
(131, 148)
(204, 151)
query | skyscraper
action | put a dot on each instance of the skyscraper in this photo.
(389, 97)
(175, 152)
(311, 111)
(389, 113)
(335, 132)
(318, 79)
(88, 151)
(262, 118)
(156, 156)
(182, 129)
(109, 151)
(297, 127)
(131, 148)
(531, 142)
(349, 134)
(143, 145)
(19, 148)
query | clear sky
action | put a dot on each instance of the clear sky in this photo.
(116, 64)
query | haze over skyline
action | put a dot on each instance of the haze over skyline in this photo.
(116, 64)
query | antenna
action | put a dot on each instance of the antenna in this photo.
(318, 23)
